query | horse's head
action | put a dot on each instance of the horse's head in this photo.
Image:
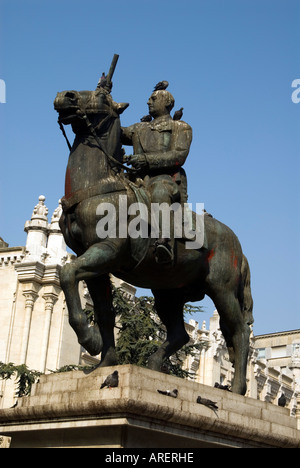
(94, 117)
(96, 105)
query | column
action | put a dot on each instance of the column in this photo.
(30, 297)
(50, 299)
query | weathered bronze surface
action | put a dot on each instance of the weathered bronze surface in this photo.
(96, 174)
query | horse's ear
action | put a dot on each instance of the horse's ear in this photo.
(121, 106)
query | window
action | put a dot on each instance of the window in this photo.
(296, 349)
(261, 353)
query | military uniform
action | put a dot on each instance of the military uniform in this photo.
(163, 145)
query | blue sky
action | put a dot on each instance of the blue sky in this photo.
(230, 64)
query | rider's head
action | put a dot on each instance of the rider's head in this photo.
(160, 103)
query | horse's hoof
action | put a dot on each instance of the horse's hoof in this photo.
(153, 364)
(238, 388)
(93, 344)
(110, 359)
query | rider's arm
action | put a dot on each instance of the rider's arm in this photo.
(127, 135)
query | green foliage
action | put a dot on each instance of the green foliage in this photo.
(25, 377)
(141, 333)
(70, 367)
(138, 334)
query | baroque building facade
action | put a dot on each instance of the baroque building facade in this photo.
(34, 328)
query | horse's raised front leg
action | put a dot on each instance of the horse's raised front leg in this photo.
(96, 261)
(169, 307)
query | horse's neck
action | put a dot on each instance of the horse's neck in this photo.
(88, 146)
(87, 167)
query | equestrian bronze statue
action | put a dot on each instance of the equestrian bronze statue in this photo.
(109, 207)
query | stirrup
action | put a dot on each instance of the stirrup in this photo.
(163, 254)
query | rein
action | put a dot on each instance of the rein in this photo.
(64, 134)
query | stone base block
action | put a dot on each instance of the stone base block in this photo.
(70, 410)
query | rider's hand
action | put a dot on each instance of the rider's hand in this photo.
(138, 161)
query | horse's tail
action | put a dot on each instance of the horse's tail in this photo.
(246, 300)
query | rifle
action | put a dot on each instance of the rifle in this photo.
(112, 69)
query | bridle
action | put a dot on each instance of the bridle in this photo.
(82, 115)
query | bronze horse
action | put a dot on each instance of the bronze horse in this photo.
(96, 175)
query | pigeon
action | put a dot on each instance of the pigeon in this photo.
(222, 387)
(178, 114)
(282, 400)
(161, 85)
(146, 118)
(111, 380)
(102, 81)
(171, 393)
(206, 402)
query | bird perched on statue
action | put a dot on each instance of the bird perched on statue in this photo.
(171, 393)
(102, 81)
(161, 85)
(204, 401)
(178, 114)
(146, 118)
(111, 380)
(282, 400)
(222, 387)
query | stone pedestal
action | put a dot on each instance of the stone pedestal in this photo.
(70, 410)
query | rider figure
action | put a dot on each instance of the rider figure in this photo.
(161, 147)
